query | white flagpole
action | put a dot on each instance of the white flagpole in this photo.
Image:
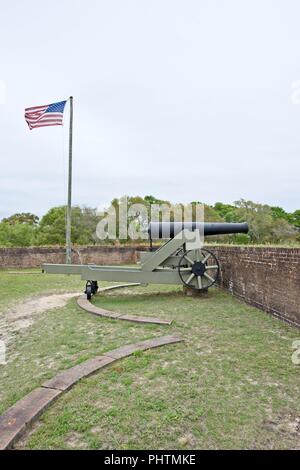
(69, 206)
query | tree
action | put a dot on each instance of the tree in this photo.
(84, 224)
(294, 218)
(281, 231)
(22, 218)
(211, 215)
(154, 200)
(279, 213)
(138, 215)
(268, 224)
(52, 227)
(263, 227)
(16, 234)
(223, 209)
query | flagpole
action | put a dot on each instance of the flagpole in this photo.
(69, 206)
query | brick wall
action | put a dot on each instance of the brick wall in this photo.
(268, 278)
(36, 256)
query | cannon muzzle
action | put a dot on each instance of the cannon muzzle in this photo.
(157, 230)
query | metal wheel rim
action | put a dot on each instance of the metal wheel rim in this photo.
(216, 262)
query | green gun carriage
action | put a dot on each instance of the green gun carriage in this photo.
(180, 260)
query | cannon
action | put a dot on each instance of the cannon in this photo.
(159, 230)
(180, 260)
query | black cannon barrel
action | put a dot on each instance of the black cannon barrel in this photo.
(158, 230)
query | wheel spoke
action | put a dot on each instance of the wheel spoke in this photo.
(209, 277)
(206, 258)
(190, 278)
(199, 282)
(197, 255)
(189, 270)
(212, 266)
(188, 259)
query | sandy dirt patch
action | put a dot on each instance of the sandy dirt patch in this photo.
(25, 313)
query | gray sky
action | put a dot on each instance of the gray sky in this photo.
(185, 100)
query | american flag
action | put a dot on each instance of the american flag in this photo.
(47, 115)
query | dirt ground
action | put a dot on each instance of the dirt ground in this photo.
(25, 313)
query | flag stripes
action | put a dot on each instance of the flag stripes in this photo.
(46, 115)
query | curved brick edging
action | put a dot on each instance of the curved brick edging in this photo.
(89, 307)
(15, 420)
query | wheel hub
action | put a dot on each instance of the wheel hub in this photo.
(198, 268)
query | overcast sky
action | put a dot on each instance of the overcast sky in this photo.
(185, 100)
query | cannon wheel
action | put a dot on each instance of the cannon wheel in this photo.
(88, 291)
(95, 287)
(91, 288)
(198, 269)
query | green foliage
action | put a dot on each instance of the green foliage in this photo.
(154, 200)
(268, 224)
(224, 209)
(139, 213)
(294, 218)
(264, 227)
(211, 215)
(52, 227)
(17, 234)
(279, 213)
(84, 223)
(22, 218)
(51, 230)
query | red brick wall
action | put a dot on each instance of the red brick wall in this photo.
(36, 256)
(268, 278)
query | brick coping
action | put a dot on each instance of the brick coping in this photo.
(15, 421)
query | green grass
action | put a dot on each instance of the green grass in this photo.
(232, 384)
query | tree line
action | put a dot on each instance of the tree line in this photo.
(268, 224)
